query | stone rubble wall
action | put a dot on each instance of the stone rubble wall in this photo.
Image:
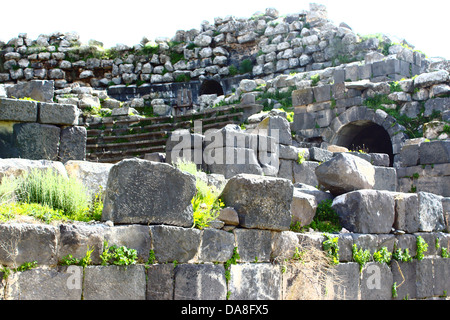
(39, 129)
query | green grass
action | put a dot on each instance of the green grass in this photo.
(206, 202)
(48, 196)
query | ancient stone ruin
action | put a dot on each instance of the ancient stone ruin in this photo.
(268, 158)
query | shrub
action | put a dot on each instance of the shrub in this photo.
(206, 202)
(326, 218)
(58, 196)
(119, 256)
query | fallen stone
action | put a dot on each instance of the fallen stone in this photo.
(141, 191)
(366, 211)
(303, 207)
(18, 167)
(345, 173)
(261, 202)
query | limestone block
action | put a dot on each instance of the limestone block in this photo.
(39, 90)
(93, 175)
(305, 173)
(135, 237)
(303, 207)
(435, 152)
(376, 282)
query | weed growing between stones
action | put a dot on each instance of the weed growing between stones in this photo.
(47, 196)
(206, 202)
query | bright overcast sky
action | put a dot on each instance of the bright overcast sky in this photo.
(423, 24)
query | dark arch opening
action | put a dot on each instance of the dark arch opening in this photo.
(211, 87)
(366, 136)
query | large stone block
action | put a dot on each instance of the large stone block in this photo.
(171, 243)
(62, 283)
(217, 245)
(135, 237)
(93, 175)
(303, 207)
(305, 173)
(37, 141)
(261, 202)
(232, 161)
(18, 167)
(366, 211)
(404, 275)
(431, 214)
(345, 173)
(255, 281)
(347, 281)
(406, 212)
(114, 283)
(141, 191)
(277, 127)
(376, 282)
(18, 110)
(385, 179)
(160, 281)
(302, 97)
(200, 282)
(435, 152)
(21, 242)
(73, 144)
(59, 114)
(253, 245)
(40, 90)
(77, 239)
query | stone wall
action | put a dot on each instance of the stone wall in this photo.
(32, 126)
(195, 264)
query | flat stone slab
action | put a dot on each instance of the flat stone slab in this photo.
(18, 110)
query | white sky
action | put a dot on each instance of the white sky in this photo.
(423, 24)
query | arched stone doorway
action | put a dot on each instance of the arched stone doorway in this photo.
(371, 130)
(211, 87)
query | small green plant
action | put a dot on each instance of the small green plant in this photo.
(444, 253)
(394, 290)
(206, 202)
(382, 256)
(422, 247)
(402, 256)
(233, 260)
(326, 218)
(331, 247)
(83, 262)
(119, 256)
(315, 79)
(360, 256)
(151, 258)
(26, 266)
(246, 66)
(300, 157)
